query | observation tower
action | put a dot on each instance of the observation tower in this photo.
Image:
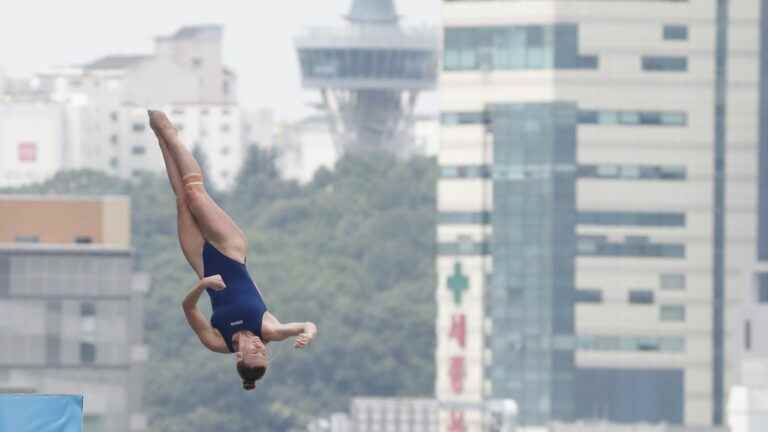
(369, 74)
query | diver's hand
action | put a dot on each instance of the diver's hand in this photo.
(306, 337)
(214, 282)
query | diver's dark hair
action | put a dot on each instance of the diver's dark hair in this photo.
(250, 375)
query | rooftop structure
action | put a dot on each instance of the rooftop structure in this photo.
(369, 75)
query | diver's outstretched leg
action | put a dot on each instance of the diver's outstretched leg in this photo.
(190, 238)
(214, 223)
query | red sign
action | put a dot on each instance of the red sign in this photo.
(456, 374)
(27, 152)
(457, 422)
(459, 329)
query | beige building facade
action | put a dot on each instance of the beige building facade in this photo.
(73, 306)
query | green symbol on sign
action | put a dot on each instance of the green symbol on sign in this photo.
(458, 283)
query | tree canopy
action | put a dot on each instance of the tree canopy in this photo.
(352, 250)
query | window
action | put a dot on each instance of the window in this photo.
(225, 150)
(630, 343)
(631, 219)
(600, 246)
(224, 174)
(588, 117)
(225, 112)
(632, 118)
(197, 62)
(87, 352)
(204, 111)
(138, 150)
(225, 128)
(27, 239)
(178, 111)
(83, 239)
(465, 171)
(139, 127)
(641, 297)
(87, 309)
(672, 344)
(747, 335)
(647, 344)
(633, 172)
(179, 126)
(675, 32)
(672, 313)
(588, 296)
(665, 63)
(762, 287)
(673, 119)
(463, 118)
(464, 217)
(27, 151)
(114, 162)
(113, 116)
(672, 281)
(114, 139)
(513, 48)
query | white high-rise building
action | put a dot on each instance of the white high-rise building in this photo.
(603, 200)
(102, 108)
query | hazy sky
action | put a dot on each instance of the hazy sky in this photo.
(35, 34)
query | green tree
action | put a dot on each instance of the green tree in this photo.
(352, 250)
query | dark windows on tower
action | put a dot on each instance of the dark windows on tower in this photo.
(515, 48)
(670, 312)
(672, 281)
(762, 287)
(633, 118)
(641, 297)
(595, 245)
(87, 352)
(608, 218)
(675, 32)
(633, 172)
(665, 63)
(588, 296)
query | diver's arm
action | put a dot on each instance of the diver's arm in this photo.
(205, 332)
(304, 332)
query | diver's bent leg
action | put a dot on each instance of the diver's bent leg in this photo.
(190, 238)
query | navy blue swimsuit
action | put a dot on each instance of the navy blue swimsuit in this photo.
(237, 307)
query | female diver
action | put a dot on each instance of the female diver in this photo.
(216, 249)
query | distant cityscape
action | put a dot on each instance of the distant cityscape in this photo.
(602, 207)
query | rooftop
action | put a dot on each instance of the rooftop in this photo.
(195, 32)
(116, 62)
(77, 248)
(51, 197)
(372, 12)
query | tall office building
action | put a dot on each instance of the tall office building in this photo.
(602, 190)
(370, 74)
(72, 306)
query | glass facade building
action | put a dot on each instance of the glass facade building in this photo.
(534, 245)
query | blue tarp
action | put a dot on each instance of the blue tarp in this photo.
(41, 413)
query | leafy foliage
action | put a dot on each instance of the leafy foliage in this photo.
(352, 250)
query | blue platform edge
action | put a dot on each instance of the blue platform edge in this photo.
(41, 413)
